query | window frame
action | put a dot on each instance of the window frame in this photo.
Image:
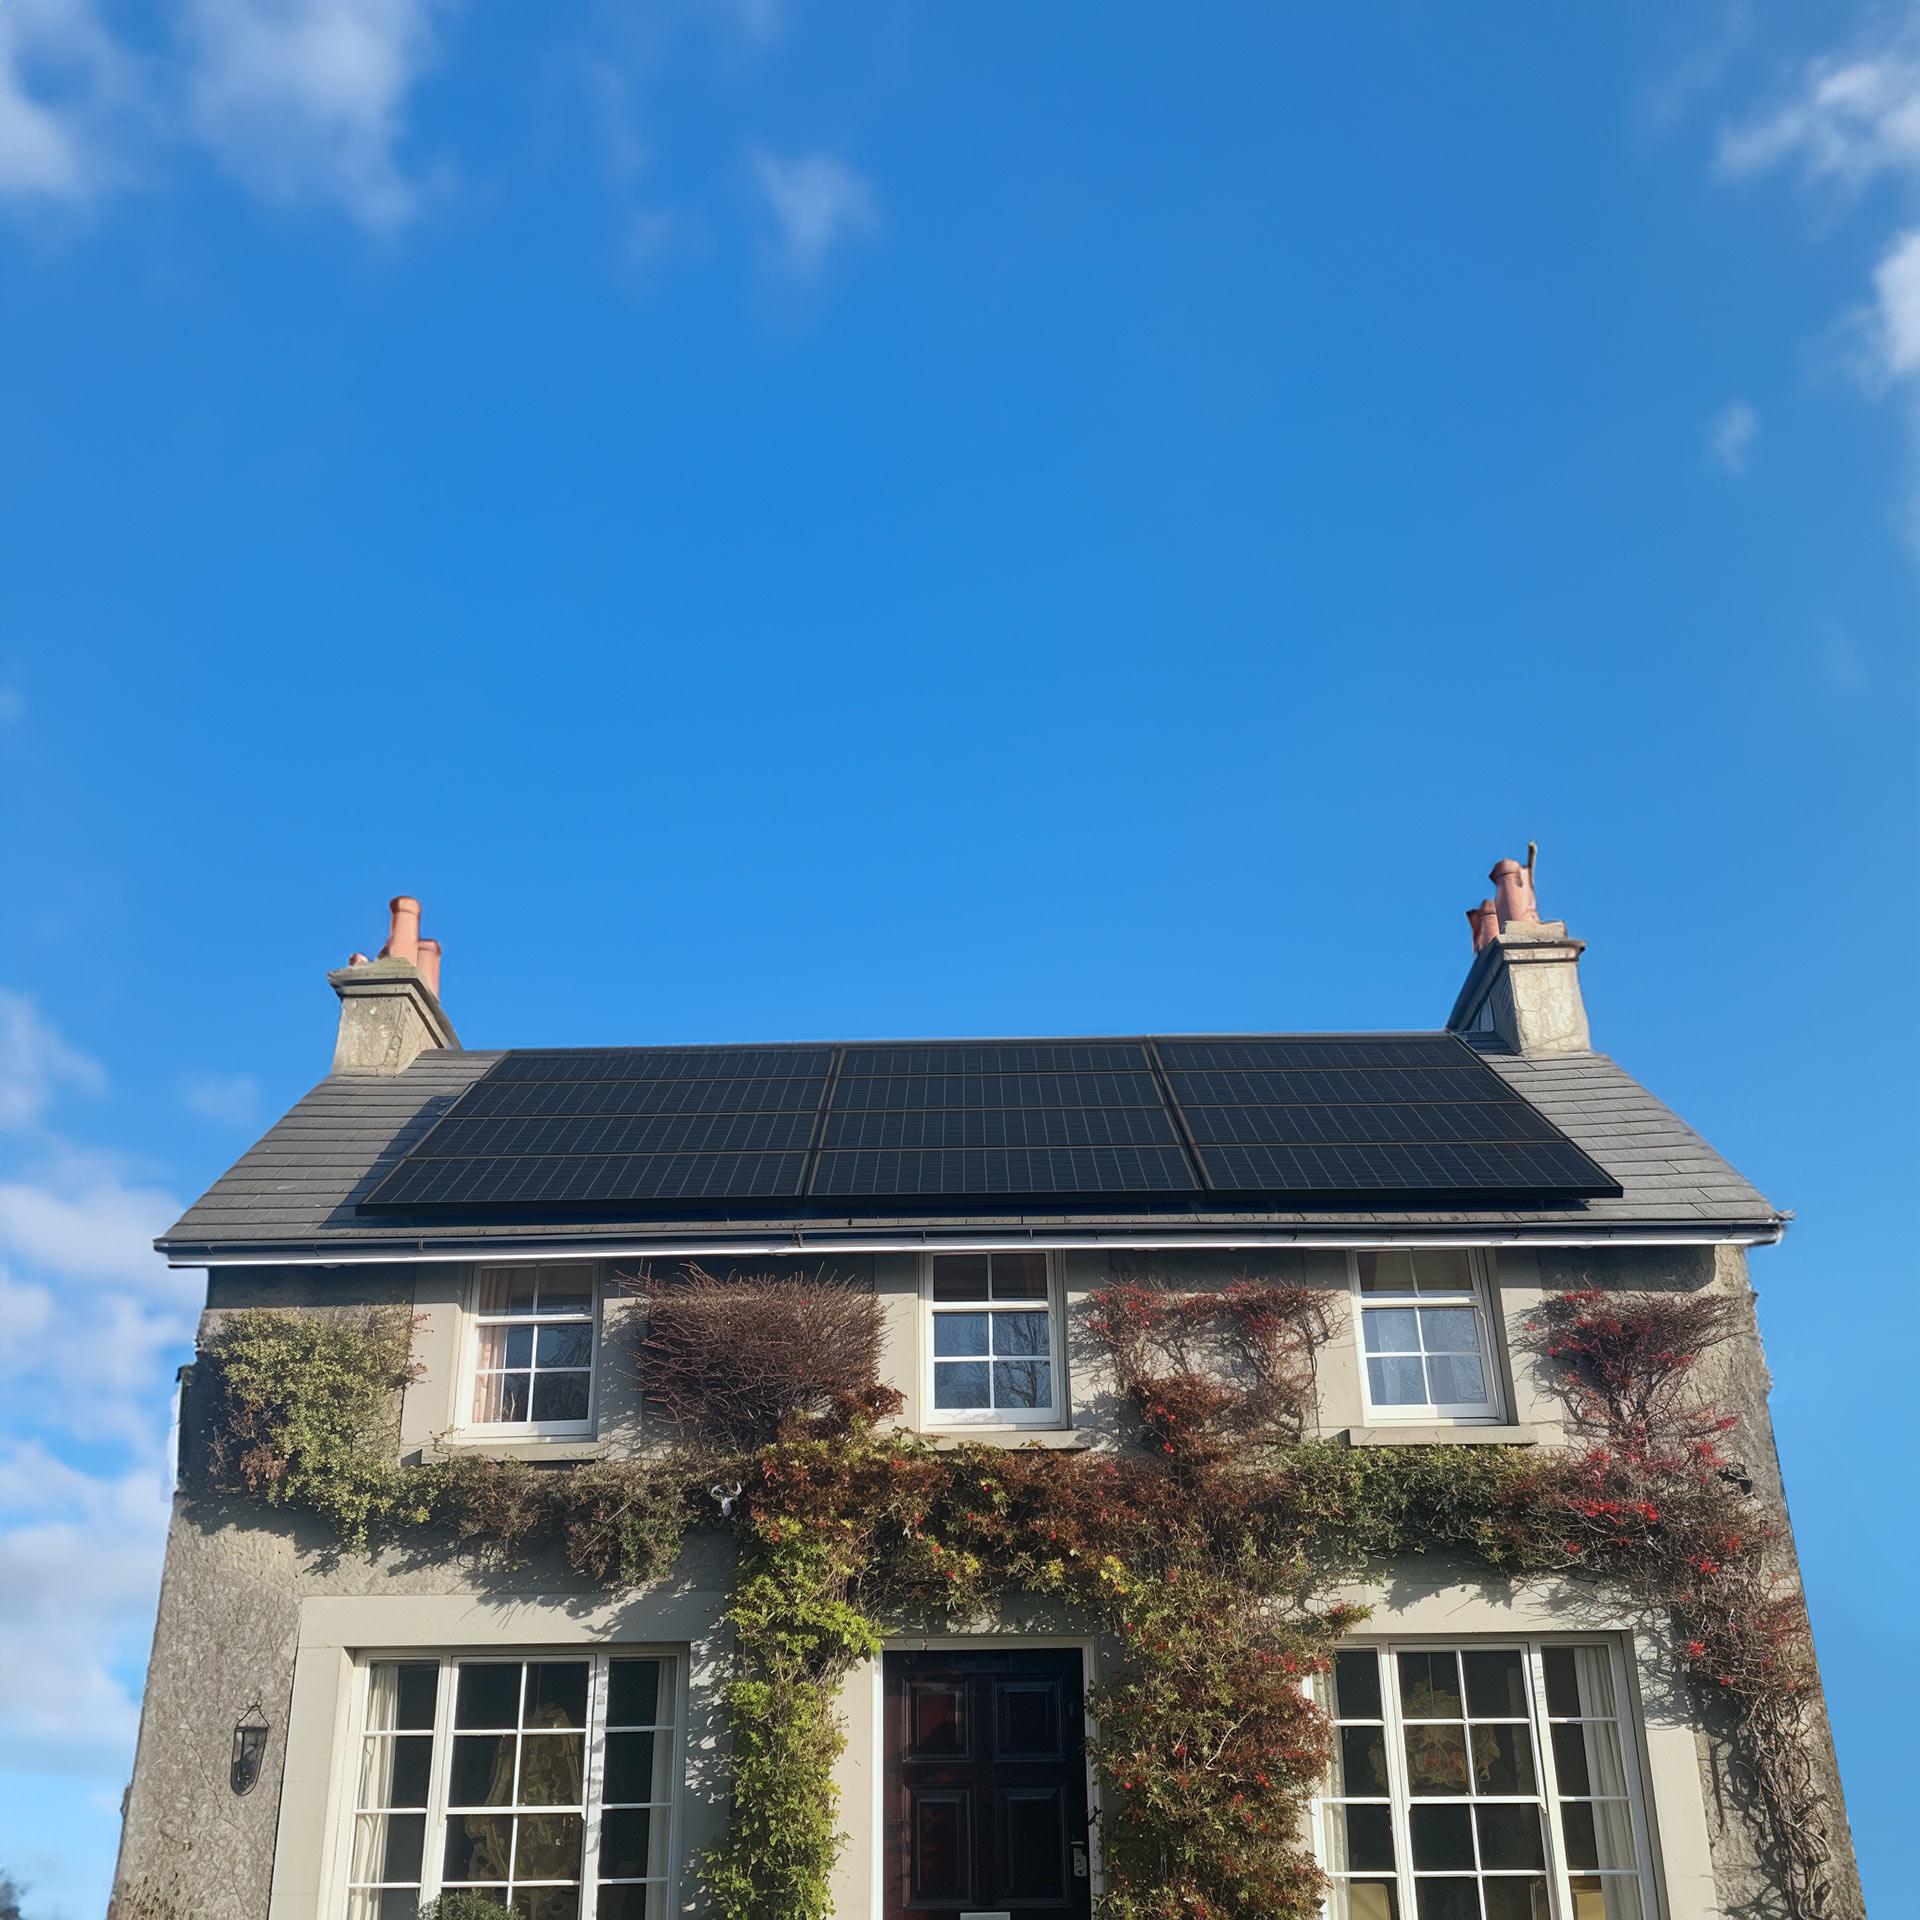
(1533, 1649)
(474, 1320)
(674, 1684)
(935, 1418)
(1480, 1294)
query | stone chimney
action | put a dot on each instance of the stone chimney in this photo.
(1524, 984)
(390, 1010)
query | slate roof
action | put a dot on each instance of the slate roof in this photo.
(298, 1189)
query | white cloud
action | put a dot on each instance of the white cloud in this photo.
(232, 1099)
(1730, 437)
(36, 1063)
(816, 203)
(63, 86)
(307, 99)
(1849, 121)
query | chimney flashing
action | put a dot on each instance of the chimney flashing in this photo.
(389, 1016)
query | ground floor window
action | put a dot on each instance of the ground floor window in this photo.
(544, 1783)
(1483, 1782)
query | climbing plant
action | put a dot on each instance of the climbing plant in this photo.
(1204, 1555)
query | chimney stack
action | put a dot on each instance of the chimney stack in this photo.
(390, 1010)
(1524, 984)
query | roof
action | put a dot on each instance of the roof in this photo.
(299, 1192)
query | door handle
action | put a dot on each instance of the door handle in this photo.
(1079, 1859)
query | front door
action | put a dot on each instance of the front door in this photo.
(986, 1787)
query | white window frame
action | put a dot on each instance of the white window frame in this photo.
(1479, 1294)
(1005, 1419)
(1532, 1650)
(673, 1691)
(470, 1369)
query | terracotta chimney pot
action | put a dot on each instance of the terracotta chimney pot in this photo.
(427, 959)
(403, 942)
(1513, 890)
(1484, 920)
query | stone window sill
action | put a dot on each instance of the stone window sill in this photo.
(493, 1446)
(1442, 1436)
(1048, 1439)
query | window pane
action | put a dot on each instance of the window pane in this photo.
(1447, 1900)
(1018, 1334)
(548, 1903)
(1023, 1384)
(1364, 1900)
(1510, 1835)
(1443, 1270)
(1391, 1383)
(636, 1769)
(1392, 1329)
(501, 1397)
(1429, 1686)
(960, 1276)
(1019, 1276)
(482, 1771)
(1587, 1757)
(1517, 1900)
(389, 1846)
(488, 1695)
(1362, 1838)
(549, 1846)
(1356, 1686)
(566, 1290)
(1450, 1329)
(551, 1769)
(411, 1769)
(1496, 1684)
(570, 1344)
(960, 1385)
(479, 1848)
(508, 1290)
(1598, 1833)
(632, 1903)
(390, 1903)
(628, 1844)
(1437, 1759)
(1580, 1681)
(960, 1333)
(1605, 1898)
(1456, 1380)
(1386, 1273)
(633, 1693)
(401, 1693)
(1503, 1760)
(560, 1396)
(1442, 1836)
(1362, 1761)
(557, 1693)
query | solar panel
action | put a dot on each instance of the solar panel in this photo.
(1252, 1120)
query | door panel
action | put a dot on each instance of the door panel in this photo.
(986, 1795)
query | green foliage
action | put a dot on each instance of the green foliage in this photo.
(465, 1906)
(311, 1417)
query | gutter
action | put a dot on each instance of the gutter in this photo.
(969, 1240)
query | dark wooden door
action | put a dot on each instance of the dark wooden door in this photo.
(986, 1787)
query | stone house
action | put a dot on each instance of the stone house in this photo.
(331, 1736)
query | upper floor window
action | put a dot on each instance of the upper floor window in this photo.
(544, 1785)
(1482, 1783)
(1424, 1336)
(533, 1350)
(996, 1340)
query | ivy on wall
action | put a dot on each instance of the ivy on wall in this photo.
(1206, 1556)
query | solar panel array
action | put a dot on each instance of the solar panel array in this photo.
(865, 1127)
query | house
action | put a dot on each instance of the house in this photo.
(1609, 1714)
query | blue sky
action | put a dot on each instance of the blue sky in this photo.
(786, 520)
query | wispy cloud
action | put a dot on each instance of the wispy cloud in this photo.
(1847, 121)
(231, 1099)
(36, 1064)
(64, 85)
(815, 203)
(307, 99)
(1730, 437)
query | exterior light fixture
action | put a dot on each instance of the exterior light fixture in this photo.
(249, 1750)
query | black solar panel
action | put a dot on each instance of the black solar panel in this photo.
(1247, 1120)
